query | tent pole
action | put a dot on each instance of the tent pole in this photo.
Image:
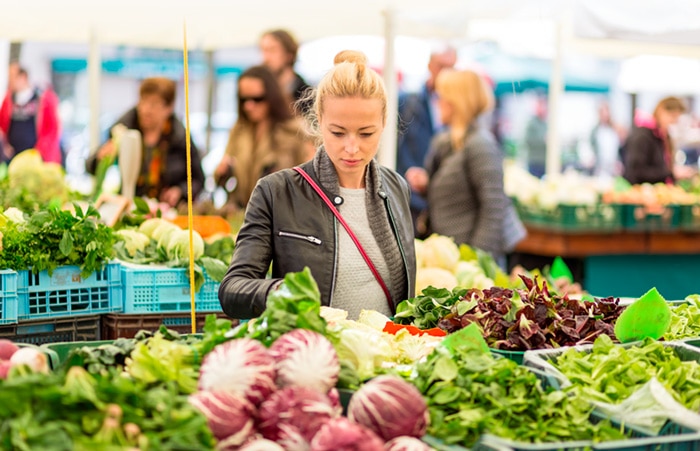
(94, 68)
(387, 151)
(556, 88)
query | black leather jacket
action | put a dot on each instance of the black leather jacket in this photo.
(301, 232)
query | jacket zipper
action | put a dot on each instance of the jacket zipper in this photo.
(309, 238)
(398, 239)
(335, 260)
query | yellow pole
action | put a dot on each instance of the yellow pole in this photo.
(190, 219)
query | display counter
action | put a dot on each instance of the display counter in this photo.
(625, 263)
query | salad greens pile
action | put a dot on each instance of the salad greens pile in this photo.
(469, 393)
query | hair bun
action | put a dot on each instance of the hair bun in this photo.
(350, 56)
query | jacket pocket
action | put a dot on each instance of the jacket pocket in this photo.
(299, 236)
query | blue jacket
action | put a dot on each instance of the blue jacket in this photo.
(415, 132)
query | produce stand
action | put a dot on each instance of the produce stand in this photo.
(624, 263)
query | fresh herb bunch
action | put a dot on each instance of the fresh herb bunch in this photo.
(54, 237)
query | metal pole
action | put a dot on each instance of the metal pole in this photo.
(387, 151)
(556, 89)
(94, 68)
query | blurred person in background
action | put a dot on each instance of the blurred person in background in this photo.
(648, 153)
(266, 137)
(419, 120)
(29, 118)
(163, 168)
(279, 52)
(463, 175)
(536, 138)
(606, 138)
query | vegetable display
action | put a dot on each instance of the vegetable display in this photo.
(470, 392)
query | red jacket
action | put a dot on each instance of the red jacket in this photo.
(48, 125)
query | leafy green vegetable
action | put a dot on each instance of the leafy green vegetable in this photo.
(54, 237)
(611, 373)
(425, 310)
(296, 304)
(470, 393)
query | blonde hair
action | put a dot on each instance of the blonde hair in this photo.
(670, 104)
(468, 94)
(349, 77)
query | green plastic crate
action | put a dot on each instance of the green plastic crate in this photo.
(600, 217)
(689, 217)
(516, 356)
(639, 218)
(58, 352)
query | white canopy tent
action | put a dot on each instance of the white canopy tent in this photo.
(541, 27)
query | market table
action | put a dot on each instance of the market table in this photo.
(625, 263)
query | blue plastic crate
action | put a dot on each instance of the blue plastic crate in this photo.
(8, 296)
(66, 293)
(150, 289)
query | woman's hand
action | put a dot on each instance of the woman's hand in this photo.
(681, 172)
(418, 179)
(223, 171)
(108, 149)
(171, 196)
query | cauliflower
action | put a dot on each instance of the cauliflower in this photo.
(466, 272)
(437, 277)
(438, 251)
(44, 182)
(134, 240)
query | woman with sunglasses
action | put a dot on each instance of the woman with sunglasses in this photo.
(265, 138)
(290, 221)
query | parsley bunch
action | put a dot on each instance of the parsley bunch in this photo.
(54, 237)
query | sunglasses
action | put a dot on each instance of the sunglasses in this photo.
(256, 99)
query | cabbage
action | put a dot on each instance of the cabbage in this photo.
(161, 230)
(229, 416)
(406, 443)
(148, 226)
(291, 416)
(391, 407)
(341, 434)
(41, 182)
(242, 366)
(134, 241)
(305, 358)
(436, 277)
(364, 348)
(439, 251)
(178, 247)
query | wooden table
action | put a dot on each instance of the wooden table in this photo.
(625, 263)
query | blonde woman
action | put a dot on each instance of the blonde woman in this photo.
(288, 224)
(463, 175)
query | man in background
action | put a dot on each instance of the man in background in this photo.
(419, 120)
(279, 52)
(29, 118)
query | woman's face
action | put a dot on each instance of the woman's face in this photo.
(152, 112)
(351, 128)
(274, 56)
(251, 95)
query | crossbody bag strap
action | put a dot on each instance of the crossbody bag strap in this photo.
(337, 214)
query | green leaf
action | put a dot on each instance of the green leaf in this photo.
(215, 268)
(66, 244)
(141, 206)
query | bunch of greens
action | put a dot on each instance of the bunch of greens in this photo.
(425, 310)
(610, 373)
(75, 410)
(531, 318)
(54, 237)
(470, 393)
(296, 304)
